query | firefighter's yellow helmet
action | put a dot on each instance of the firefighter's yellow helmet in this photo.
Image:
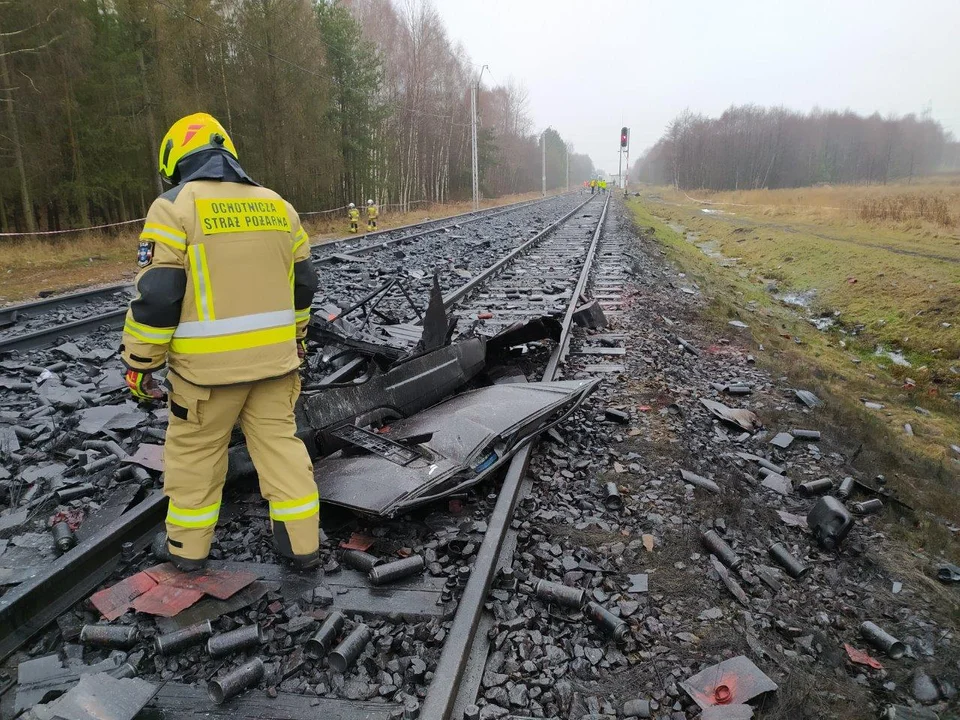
(191, 134)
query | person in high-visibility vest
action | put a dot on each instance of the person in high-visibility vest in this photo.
(603, 186)
(371, 216)
(354, 216)
(593, 186)
(224, 292)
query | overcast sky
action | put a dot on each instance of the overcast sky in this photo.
(591, 66)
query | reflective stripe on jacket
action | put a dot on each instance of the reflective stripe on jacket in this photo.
(228, 290)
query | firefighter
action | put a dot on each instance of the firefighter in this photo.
(354, 216)
(371, 216)
(224, 293)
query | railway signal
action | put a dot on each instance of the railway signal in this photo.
(624, 137)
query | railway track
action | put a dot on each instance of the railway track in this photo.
(547, 273)
(40, 322)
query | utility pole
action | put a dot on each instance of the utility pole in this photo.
(566, 147)
(543, 163)
(474, 89)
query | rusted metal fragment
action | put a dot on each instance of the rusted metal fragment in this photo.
(166, 600)
(220, 584)
(733, 682)
(211, 608)
(112, 602)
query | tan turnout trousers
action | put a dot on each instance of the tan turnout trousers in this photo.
(195, 462)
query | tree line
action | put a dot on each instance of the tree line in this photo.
(327, 101)
(751, 147)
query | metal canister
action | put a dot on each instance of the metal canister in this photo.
(812, 488)
(846, 488)
(882, 640)
(179, 639)
(236, 681)
(323, 639)
(806, 434)
(359, 560)
(112, 636)
(612, 498)
(606, 621)
(242, 638)
(868, 507)
(63, 536)
(347, 652)
(563, 595)
(75, 491)
(396, 570)
(718, 546)
(794, 567)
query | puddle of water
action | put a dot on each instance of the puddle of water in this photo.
(894, 356)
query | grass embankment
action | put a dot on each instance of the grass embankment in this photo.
(77, 260)
(889, 283)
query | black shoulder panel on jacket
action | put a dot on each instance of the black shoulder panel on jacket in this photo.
(161, 294)
(305, 283)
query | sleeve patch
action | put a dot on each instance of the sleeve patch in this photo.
(145, 253)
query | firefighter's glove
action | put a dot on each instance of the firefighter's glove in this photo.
(143, 387)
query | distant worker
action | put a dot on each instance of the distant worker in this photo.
(371, 216)
(354, 216)
(593, 186)
(603, 186)
(224, 293)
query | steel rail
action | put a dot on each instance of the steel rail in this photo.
(461, 292)
(445, 685)
(113, 319)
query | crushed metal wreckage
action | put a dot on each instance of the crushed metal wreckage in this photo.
(382, 421)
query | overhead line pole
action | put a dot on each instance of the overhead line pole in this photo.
(543, 163)
(474, 89)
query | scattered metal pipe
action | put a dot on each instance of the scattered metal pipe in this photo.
(347, 652)
(562, 595)
(396, 570)
(764, 463)
(606, 621)
(868, 507)
(111, 636)
(323, 639)
(719, 547)
(359, 560)
(794, 567)
(806, 434)
(235, 681)
(239, 639)
(613, 500)
(63, 536)
(193, 635)
(845, 489)
(882, 640)
(812, 488)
